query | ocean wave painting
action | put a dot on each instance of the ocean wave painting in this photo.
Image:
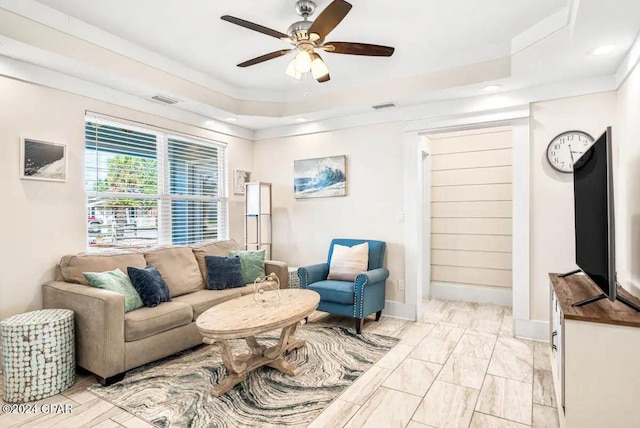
(320, 178)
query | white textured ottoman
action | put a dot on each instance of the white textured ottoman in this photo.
(38, 354)
(293, 280)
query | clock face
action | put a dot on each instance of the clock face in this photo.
(565, 149)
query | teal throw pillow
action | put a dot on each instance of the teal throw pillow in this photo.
(251, 264)
(119, 282)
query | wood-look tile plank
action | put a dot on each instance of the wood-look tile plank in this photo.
(336, 415)
(365, 385)
(487, 326)
(464, 371)
(543, 389)
(447, 331)
(413, 377)
(447, 405)
(394, 357)
(480, 420)
(386, 408)
(541, 356)
(412, 333)
(545, 417)
(512, 366)
(433, 350)
(506, 399)
(473, 345)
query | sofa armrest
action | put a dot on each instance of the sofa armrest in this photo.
(99, 318)
(313, 273)
(281, 269)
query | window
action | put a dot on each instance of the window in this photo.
(146, 187)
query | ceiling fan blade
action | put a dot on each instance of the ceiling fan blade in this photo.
(265, 57)
(254, 27)
(358, 49)
(330, 17)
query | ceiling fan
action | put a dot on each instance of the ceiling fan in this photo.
(307, 37)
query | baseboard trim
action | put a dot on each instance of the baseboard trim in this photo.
(399, 310)
(531, 329)
(471, 293)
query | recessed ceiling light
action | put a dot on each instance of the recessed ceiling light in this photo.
(602, 50)
(231, 119)
(301, 119)
(491, 88)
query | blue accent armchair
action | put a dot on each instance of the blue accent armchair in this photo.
(356, 299)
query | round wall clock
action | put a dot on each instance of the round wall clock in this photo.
(566, 148)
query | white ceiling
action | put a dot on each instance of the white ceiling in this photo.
(428, 35)
(445, 50)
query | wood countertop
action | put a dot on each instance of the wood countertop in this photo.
(578, 287)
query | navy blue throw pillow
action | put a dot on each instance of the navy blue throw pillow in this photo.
(150, 286)
(223, 272)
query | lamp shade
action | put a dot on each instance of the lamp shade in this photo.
(318, 67)
(303, 61)
(292, 71)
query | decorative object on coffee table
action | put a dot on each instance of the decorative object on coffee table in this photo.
(266, 289)
(38, 354)
(257, 217)
(244, 318)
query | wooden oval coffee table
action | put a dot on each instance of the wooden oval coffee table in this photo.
(244, 318)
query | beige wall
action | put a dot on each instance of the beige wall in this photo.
(303, 228)
(552, 220)
(626, 139)
(471, 208)
(42, 221)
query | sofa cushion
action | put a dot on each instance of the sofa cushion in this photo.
(150, 286)
(72, 266)
(252, 263)
(212, 248)
(145, 322)
(178, 268)
(223, 273)
(118, 282)
(202, 300)
(334, 291)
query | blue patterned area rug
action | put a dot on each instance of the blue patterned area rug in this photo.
(175, 392)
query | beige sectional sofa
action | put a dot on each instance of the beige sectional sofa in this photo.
(109, 341)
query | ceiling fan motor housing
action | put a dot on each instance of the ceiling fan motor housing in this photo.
(299, 30)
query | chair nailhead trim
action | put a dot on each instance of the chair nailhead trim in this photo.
(366, 279)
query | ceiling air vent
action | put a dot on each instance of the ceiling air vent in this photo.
(385, 105)
(164, 99)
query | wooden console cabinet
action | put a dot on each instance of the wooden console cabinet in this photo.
(595, 356)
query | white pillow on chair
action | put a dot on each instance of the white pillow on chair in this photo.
(348, 262)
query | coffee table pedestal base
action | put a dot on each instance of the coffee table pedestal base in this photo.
(240, 365)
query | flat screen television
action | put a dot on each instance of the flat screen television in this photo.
(594, 218)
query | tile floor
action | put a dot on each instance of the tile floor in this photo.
(458, 366)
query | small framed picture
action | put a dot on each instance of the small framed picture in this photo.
(42, 160)
(239, 179)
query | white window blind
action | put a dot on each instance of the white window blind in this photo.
(146, 187)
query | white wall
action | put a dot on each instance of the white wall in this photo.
(303, 228)
(626, 137)
(552, 220)
(42, 221)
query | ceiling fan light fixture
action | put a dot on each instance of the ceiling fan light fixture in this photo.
(292, 71)
(318, 67)
(303, 61)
